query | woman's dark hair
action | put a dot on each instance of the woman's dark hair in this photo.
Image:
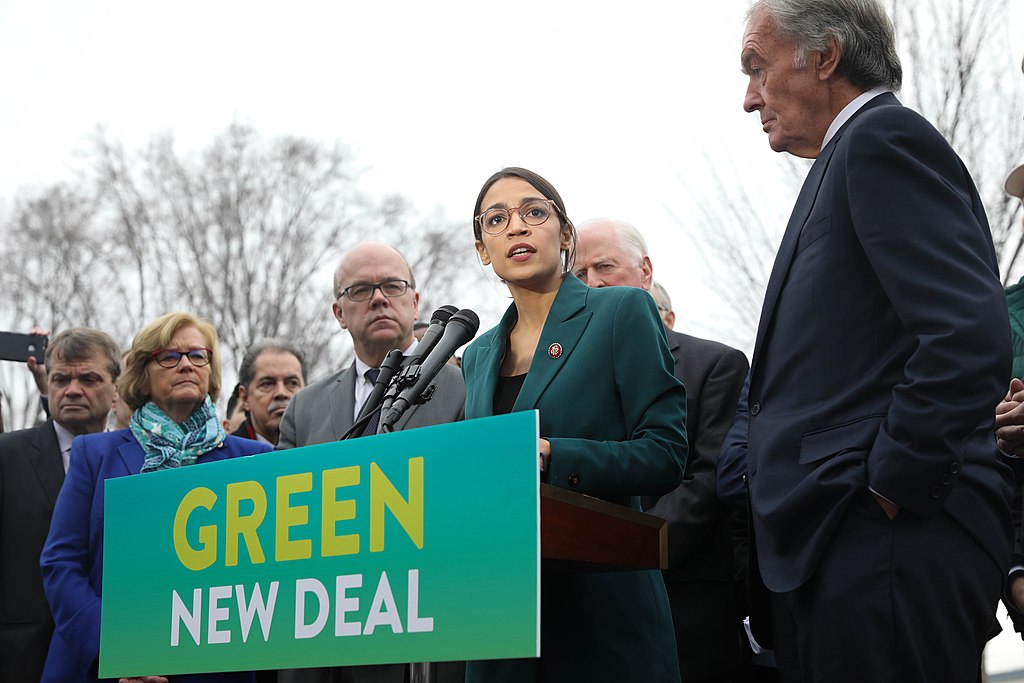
(547, 190)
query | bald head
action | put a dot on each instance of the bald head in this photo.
(383, 321)
(370, 251)
(612, 253)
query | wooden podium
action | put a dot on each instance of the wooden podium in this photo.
(581, 533)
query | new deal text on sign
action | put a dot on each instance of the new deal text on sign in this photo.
(413, 546)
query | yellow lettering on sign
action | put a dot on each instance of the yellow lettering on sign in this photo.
(236, 524)
(206, 554)
(335, 511)
(289, 516)
(408, 513)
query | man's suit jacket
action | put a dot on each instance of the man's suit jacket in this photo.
(882, 349)
(615, 417)
(31, 474)
(72, 559)
(698, 523)
(700, 539)
(323, 411)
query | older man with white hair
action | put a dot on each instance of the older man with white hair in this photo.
(699, 577)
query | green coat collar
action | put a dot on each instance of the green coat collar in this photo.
(564, 326)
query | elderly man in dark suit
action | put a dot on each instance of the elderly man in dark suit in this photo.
(375, 299)
(880, 510)
(700, 575)
(82, 366)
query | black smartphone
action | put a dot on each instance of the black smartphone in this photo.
(18, 347)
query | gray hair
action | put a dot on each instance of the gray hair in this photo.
(77, 344)
(661, 296)
(247, 370)
(630, 239)
(867, 40)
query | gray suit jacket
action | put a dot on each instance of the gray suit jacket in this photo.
(322, 412)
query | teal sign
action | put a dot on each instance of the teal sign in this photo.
(414, 546)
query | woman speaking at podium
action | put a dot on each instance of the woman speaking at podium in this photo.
(596, 365)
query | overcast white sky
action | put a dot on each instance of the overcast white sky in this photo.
(612, 102)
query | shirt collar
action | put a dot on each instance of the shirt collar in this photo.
(362, 367)
(849, 110)
(64, 437)
(363, 388)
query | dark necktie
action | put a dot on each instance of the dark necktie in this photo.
(371, 427)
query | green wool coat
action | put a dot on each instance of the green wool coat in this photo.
(615, 414)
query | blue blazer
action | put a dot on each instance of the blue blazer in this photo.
(882, 350)
(615, 414)
(72, 559)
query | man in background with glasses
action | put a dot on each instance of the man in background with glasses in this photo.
(375, 299)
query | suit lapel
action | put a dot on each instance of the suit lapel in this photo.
(787, 248)
(218, 453)
(563, 327)
(341, 402)
(801, 210)
(490, 349)
(131, 454)
(46, 460)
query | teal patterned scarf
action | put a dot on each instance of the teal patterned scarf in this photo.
(167, 444)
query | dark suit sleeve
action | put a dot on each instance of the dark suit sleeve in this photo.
(917, 219)
(287, 438)
(732, 461)
(692, 508)
(66, 560)
(653, 404)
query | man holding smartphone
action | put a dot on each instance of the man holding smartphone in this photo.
(82, 366)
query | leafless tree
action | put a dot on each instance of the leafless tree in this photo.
(246, 233)
(52, 271)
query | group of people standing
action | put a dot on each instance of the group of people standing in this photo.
(859, 444)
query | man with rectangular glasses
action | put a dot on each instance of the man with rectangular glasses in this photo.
(375, 299)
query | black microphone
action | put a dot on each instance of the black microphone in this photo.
(410, 364)
(391, 365)
(438, 320)
(460, 329)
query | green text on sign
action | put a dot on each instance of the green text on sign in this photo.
(413, 546)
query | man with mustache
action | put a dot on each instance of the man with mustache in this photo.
(272, 371)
